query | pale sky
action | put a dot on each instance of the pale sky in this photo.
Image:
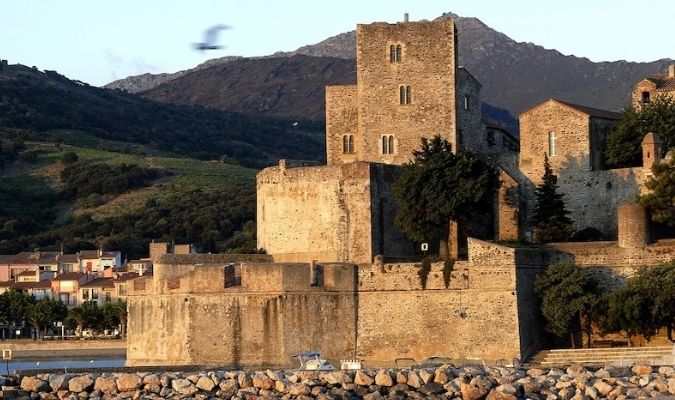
(100, 41)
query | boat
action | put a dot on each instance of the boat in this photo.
(311, 361)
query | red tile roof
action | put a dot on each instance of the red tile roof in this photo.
(593, 112)
(663, 82)
(27, 273)
(99, 283)
(70, 276)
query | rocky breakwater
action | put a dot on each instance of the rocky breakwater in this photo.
(444, 382)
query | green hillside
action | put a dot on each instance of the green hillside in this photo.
(209, 203)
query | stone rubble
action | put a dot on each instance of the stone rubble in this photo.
(444, 382)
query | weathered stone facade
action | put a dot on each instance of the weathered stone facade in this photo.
(651, 87)
(573, 137)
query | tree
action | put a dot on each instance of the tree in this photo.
(644, 304)
(568, 296)
(13, 308)
(551, 220)
(44, 312)
(439, 186)
(68, 158)
(120, 311)
(624, 143)
(661, 200)
(79, 316)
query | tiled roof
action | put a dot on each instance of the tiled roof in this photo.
(6, 259)
(68, 258)
(8, 283)
(663, 82)
(27, 273)
(70, 276)
(127, 277)
(26, 257)
(47, 257)
(32, 285)
(94, 254)
(99, 283)
(593, 112)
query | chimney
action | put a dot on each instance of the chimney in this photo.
(406, 19)
(671, 71)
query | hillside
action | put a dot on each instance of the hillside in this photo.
(514, 75)
(210, 204)
(35, 102)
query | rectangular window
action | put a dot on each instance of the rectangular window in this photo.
(122, 289)
(404, 94)
(94, 294)
(85, 294)
(645, 97)
(552, 151)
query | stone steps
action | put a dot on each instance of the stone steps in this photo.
(602, 355)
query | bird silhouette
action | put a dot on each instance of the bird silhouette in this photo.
(210, 36)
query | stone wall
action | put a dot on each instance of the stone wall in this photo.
(428, 66)
(471, 133)
(341, 120)
(341, 212)
(592, 195)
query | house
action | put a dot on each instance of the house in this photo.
(5, 262)
(141, 267)
(661, 84)
(98, 260)
(67, 286)
(107, 289)
(69, 263)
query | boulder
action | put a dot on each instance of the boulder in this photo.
(32, 384)
(228, 388)
(642, 370)
(205, 383)
(59, 381)
(297, 389)
(106, 384)
(128, 382)
(431, 388)
(383, 378)
(373, 396)
(414, 379)
(362, 378)
(184, 387)
(262, 381)
(603, 387)
(80, 383)
(244, 380)
(401, 377)
(442, 375)
(337, 378)
(426, 376)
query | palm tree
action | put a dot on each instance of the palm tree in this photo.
(79, 315)
(120, 310)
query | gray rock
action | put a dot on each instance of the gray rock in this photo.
(383, 378)
(32, 384)
(603, 387)
(205, 383)
(228, 388)
(566, 393)
(80, 383)
(591, 392)
(128, 382)
(431, 388)
(373, 396)
(363, 379)
(184, 387)
(106, 385)
(59, 381)
(244, 380)
(165, 380)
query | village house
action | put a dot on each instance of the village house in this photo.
(661, 84)
(99, 260)
(67, 287)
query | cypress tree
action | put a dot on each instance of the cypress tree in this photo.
(551, 219)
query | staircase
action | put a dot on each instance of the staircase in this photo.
(657, 355)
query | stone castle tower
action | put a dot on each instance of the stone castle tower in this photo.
(408, 86)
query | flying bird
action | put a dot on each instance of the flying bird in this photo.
(210, 37)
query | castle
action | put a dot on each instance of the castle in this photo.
(335, 277)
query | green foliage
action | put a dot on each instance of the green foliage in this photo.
(645, 304)
(82, 179)
(439, 186)
(624, 144)
(69, 157)
(423, 272)
(448, 266)
(661, 199)
(567, 293)
(44, 312)
(550, 219)
(13, 308)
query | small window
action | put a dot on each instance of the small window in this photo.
(123, 289)
(387, 144)
(107, 297)
(94, 294)
(466, 101)
(645, 97)
(552, 151)
(405, 94)
(85, 294)
(348, 143)
(395, 53)
(491, 138)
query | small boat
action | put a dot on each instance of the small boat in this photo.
(350, 365)
(311, 361)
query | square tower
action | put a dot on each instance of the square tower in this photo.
(407, 87)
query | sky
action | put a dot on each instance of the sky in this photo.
(100, 41)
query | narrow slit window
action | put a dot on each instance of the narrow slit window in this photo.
(398, 53)
(385, 145)
(405, 94)
(391, 144)
(552, 139)
(392, 54)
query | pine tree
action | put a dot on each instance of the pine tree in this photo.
(551, 220)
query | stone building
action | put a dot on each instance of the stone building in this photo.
(408, 87)
(573, 137)
(662, 84)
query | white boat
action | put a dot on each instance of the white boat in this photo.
(311, 361)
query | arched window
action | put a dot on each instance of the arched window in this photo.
(398, 53)
(552, 151)
(348, 143)
(387, 144)
(404, 94)
(392, 53)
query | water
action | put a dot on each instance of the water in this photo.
(60, 364)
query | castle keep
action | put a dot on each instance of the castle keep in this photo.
(334, 278)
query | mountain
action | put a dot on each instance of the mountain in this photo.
(39, 102)
(515, 75)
